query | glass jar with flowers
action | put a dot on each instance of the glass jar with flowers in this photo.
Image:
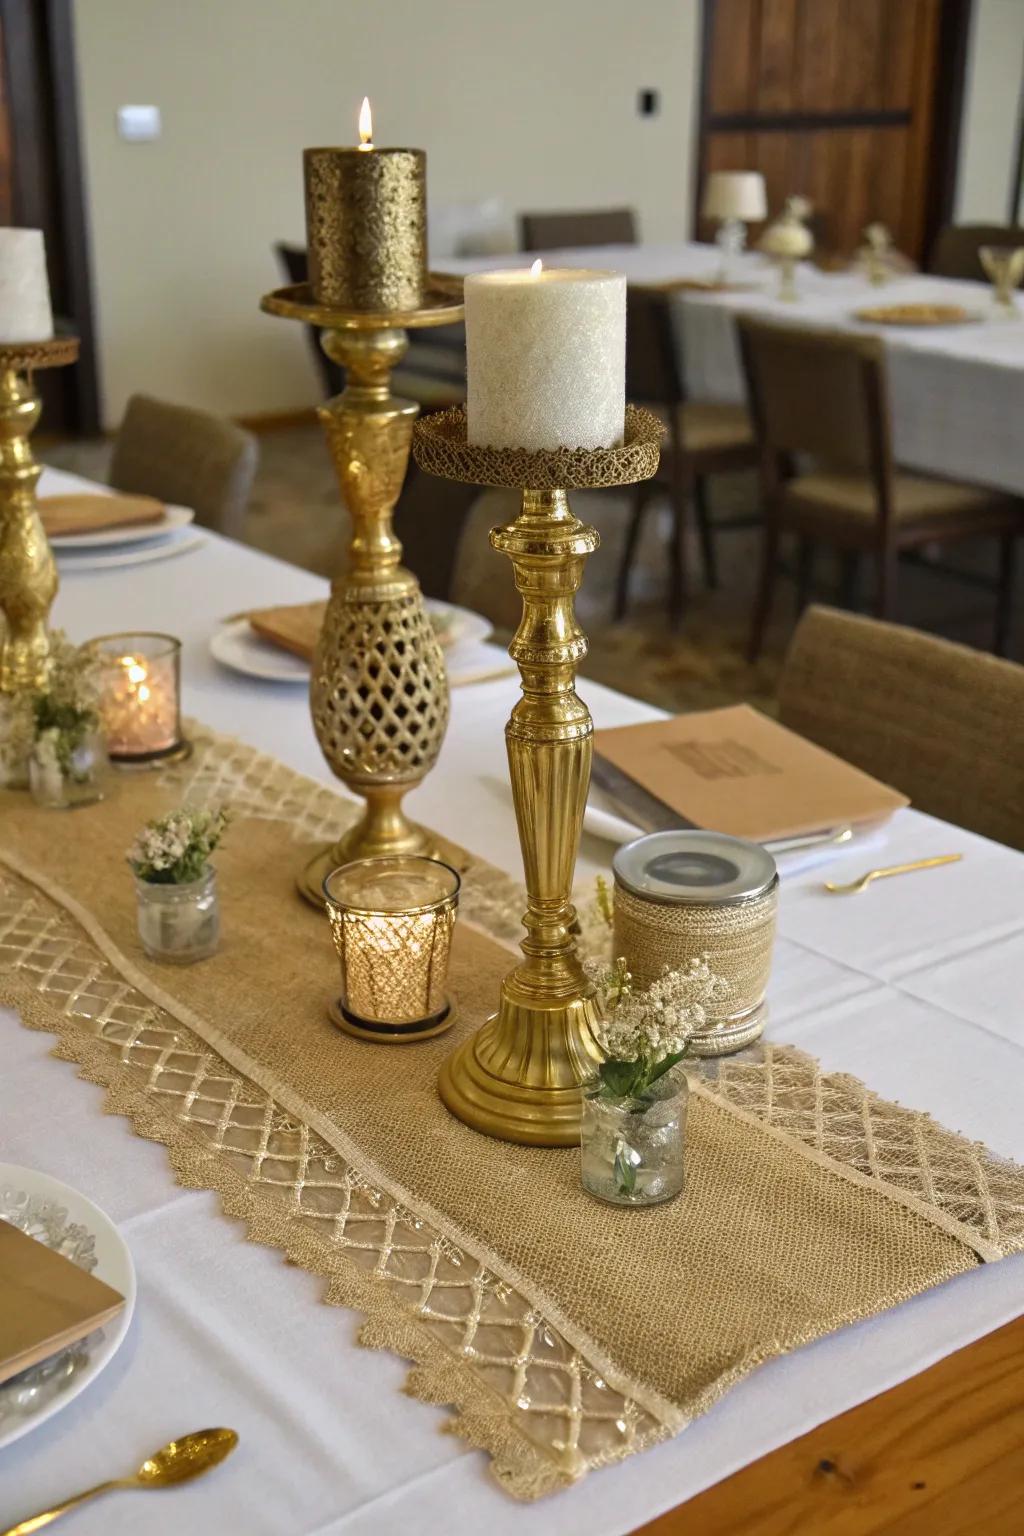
(176, 885)
(67, 759)
(632, 1134)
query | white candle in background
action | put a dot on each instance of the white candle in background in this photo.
(546, 358)
(25, 313)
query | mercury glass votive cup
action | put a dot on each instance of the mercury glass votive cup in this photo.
(392, 920)
(141, 700)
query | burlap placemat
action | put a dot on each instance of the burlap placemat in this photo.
(775, 1242)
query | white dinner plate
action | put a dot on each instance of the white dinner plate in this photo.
(62, 1218)
(140, 554)
(174, 519)
(237, 646)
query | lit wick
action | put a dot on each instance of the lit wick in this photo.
(365, 125)
(535, 270)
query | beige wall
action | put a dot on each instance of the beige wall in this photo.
(533, 101)
(988, 136)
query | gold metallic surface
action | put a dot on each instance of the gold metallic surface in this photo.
(177, 1462)
(518, 1077)
(854, 887)
(442, 305)
(378, 688)
(28, 573)
(366, 227)
(440, 447)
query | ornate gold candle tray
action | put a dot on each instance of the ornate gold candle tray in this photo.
(518, 1077)
(378, 689)
(28, 572)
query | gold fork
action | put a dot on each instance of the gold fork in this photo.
(883, 874)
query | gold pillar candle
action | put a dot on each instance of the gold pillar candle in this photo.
(366, 225)
(681, 895)
(391, 921)
(141, 700)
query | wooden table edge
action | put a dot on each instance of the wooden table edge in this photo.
(939, 1454)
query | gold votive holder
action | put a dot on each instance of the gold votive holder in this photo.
(682, 895)
(141, 698)
(366, 227)
(392, 920)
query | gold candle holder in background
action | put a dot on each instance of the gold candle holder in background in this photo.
(28, 572)
(392, 922)
(378, 691)
(518, 1077)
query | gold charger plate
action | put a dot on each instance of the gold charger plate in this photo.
(917, 314)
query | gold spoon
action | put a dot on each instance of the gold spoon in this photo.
(883, 874)
(176, 1462)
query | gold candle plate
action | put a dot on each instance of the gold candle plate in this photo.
(518, 1077)
(378, 690)
(28, 572)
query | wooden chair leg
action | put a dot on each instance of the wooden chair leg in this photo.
(766, 588)
(641, 497)
(1004, 593)
(706, 532)
(677, 551)
(885, 597)
(804, 572)
(849, 579)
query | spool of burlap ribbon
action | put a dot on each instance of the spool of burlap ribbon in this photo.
(654, 930)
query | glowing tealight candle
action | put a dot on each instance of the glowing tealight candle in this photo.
(140, 705)
(546, 358)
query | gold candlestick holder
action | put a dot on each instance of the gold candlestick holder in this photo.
(378, 691)
(28, 573)
(518, 1077)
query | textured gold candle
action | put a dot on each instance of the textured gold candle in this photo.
(366, 225)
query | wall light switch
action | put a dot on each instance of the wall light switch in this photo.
(647, 103)
(138, 123)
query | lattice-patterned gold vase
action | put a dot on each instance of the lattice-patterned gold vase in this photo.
(28, 574)
(379, 692)
(519, 1076)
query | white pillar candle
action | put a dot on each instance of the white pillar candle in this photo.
(25, 313)
(546, 358)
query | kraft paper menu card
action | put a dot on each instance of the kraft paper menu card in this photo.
(734, 770)
(46, 1302)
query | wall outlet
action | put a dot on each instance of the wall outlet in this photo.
(138, 123)
(648, 102)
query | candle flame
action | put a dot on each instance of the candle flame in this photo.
(535, 270)
(136, 673)
(365, 125)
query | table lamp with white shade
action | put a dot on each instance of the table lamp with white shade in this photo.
(735, 199)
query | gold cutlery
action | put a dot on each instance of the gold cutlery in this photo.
(883, 874)
(177, 1462)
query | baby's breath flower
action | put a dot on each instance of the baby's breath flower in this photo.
(175, 849)
(643, 1034)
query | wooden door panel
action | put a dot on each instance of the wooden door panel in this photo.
(829, 98)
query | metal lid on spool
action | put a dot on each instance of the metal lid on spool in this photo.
(698, 868)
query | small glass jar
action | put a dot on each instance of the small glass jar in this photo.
(179, 923)
(60, 777)
(631, 1150)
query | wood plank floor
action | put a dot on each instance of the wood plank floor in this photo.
(940, 1455)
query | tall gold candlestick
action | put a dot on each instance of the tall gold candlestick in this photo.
(28, 574)
(518, 1077)
(379, 692)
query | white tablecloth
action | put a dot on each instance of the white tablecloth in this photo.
(957, 391)
(915, 987)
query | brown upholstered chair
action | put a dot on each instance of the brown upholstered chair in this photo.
(941, 722)
(824, 394)
(563, 231)
(703, 439)
(189, 457)
(955, 250)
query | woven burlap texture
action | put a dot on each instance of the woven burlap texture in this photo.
(672, 1306)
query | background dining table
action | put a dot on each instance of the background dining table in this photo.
(914, 986)
(956, 390)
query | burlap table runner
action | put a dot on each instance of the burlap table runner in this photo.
(567, 1332)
